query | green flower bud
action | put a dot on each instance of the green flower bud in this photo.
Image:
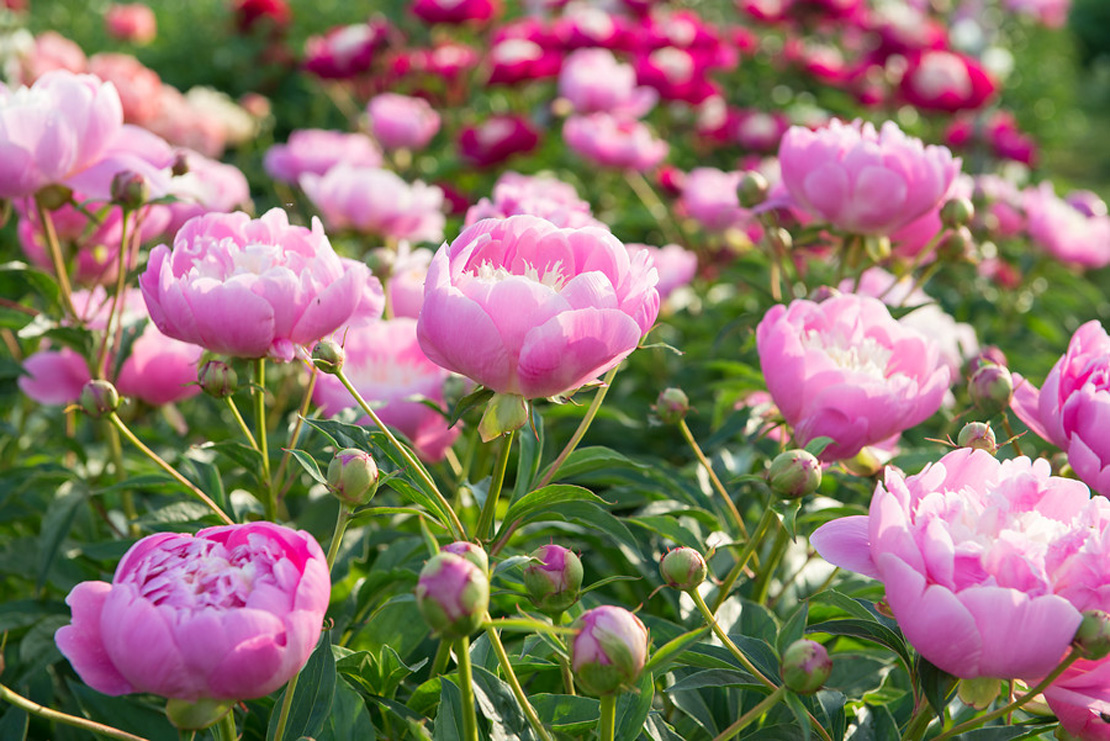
(197, 715)
(794, 474)
(956, 245)
(328, 356)
(471, 552)
(683, 568)
(806, 666)
(672, 406)
(218, 379)
(956, 212)
(353, 476)
(753, 189)
(978, 435)
(129, 189)
(991, 387)
(979, 692)
(99, 398)
(453, 595)
(53, 197)
(1092, 639)
(553, 578)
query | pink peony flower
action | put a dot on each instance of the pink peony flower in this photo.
(976, 555)
(675, 264)
(377, 201)
(250, 14)
(402, 122)
(534, 195)
(406, 279)
(941, 80)
(231, 613)
(593, 80)
(514, 60)
(587, 25)
(677, 74)
(345, 51)
(250, 288)
(709, 197)
(385, 363)
(51, 51)
(209, 186)
(131, 22)
(496, 139)
(1071, 408)
(455, 11)
(846, 369)
(862, 180)
(523, 307)
(139, 86)
(1070, 234)
(317, 151)
(612, 142)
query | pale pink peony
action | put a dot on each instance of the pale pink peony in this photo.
(131, 22)
(385, 363)
(377, 201)
(593, 80)
(208, 186)
(139, 86)
(51, 51)
(709, 197)
(534, 195)
(846, 369)
(1072, 408)
(614, 142)
(250, 288)
(865, 181)
(317, 151)
(401, 121)
(675, 264)
(229, 614)
(983, 560)
(525, 308)
(405, 286)
(1070, 234)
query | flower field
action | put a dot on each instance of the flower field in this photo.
(544, 370)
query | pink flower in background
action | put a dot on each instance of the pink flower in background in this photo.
(1071, 235)
(251, 14)
(139, 86)
(405, 286)
(179, 122)
(1072, 407)
(385, 363)
(132, 22)
(586, 25)
(977, 555)
(534, 195)
(514, 60)
(455, 11)
(846, 369)
(709, 197)
(523, 307)
(1051, 13)
(317, 151)
(862, 180)
(377, 201)
(760, 131)
(675, 264)
(676, 74)
(345, 51)
(612, 142)
(401, 121)
(941, 80)
(496, 139)
(208, 186)
(446, 60)
(593, 80)
(250, 288)
(231, 613)
(51, 51)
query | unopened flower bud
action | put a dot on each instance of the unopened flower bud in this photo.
(956, 212)
(180, 165)
(780, 239)
(823, 293)
(99, 398)
(197, 715)
(978, 435)
(553, 578)
(991, 388)
(53, 197)
(129, 189)
(672, 405)
(218, 379)
(609, 651)
(794, 473)
(978, 692)
(452, 594)
(987, 355)
(956, 245)
(328, 356)
(1092, 639)
(806, 666)
(753, 189)
(683, 568)
(353, 476)
(471, 552)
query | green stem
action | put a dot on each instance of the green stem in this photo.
(54, 248)
(489, 508)
(286, 705)
(767, 569)
(127, 498)
(466, 685)
(119, 423)
(241, 422)
(919, 723)
(337, 537)
(259, 394)
(279, 477)
(121, 281)
(439, 663)
(711, 621)
(736, 518)
(607, 722)
(654, 206)
(582, 427)
(1017, 703)
(568, 677)
(225, 728)
(34, 708)
(514, 683)
(765, 521)
(764, 705)
(453, 523)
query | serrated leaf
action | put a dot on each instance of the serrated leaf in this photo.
(312, 697)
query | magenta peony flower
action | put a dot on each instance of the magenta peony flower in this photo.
(401, 121)
(317, 151)
(455, 11)
(345, 51)
(523, 307)
(377, 201)
(609, 650)
(385, 363)
(677, 74)
(229, 614)
(709, 197)
(593, 80)
(862, 180)
(250, 287)
(496, 139)
(976, 555)
(1072, 407)
(941, 80)
(612, 142)
(514, 60)
(846, 369)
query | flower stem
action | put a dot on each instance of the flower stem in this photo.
(259, 394)
(127, 499)
(121, 281)
(764, 705)
(337, 537)
(765, 521)
(514, 683)
(607, 723)
(711, 621)
(654, 206)
(919, 723)
(279, 477)
(241, 422)
(453, 523)
(226, 727)
(41, 711)
(286, 705)
(466, 685)
(584, 425)
(489, 508)
(123, 428)
(439, 663)
(736, 518)
(55, 249)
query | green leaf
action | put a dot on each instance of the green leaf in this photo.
(855, 608)
(567, 713)
(789, 513)
(15, 276)
(817, 445)
(308, 463)
(125, 713)
(530, 451)
(594, 458)
(831, 706)
(476, 398)
(876, 723)
(13, 724)
(349, 718)
(669, 528)
(241, 453)
(56, 524)
(793, 629)
(801, 713)
(633, 708)
(312, 697)
(449, 720)
(871, 631)
(499, 706)
(543, 501)
(938, 686)
(715, 678)
(127, 340)
(672, 648)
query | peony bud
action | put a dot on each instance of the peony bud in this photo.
(672, 405)
(956, 245)
(991, 387)
(683, 568)
(780, 240)
(180, 165)
(794, 473)
(956, 212)
(218, 379)
(53, 197)
(553, 578)
(99, 398)
(753, 189)
(805, 666)
(471, 552)
(328, 356)
(130, 190)
(1092, 639)
(452, 594)
(978, 692)
(197, 715)
(353, 476)
(987, 355)
(609, 650)
(978, 435)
